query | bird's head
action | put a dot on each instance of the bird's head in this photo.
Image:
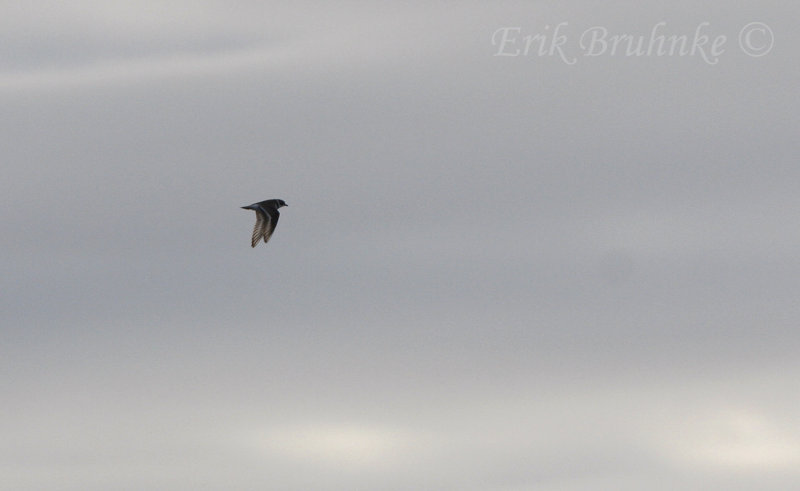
(281, 203)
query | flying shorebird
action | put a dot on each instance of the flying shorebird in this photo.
(266, 219)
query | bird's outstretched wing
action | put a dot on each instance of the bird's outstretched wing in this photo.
(272, 217)
(261, 227)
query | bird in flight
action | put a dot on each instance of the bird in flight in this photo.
(266, 219)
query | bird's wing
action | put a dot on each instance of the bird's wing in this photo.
(272, 216)
(262, 225)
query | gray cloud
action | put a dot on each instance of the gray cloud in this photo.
(493, 274)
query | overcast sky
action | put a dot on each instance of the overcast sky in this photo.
(561, 269)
